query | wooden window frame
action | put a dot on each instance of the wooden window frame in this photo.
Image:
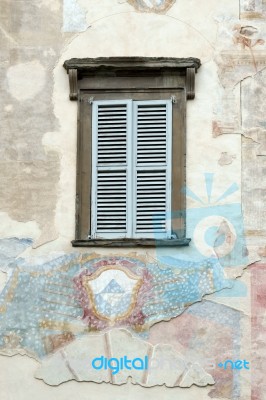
(137, 79)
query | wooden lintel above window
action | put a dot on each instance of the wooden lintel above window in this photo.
(79, 68)
(130, 63)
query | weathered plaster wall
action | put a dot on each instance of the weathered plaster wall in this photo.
(30, 41)
(225, 165)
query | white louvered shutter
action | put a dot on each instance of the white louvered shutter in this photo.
(111, 137)
(152, 135)
(131, 169)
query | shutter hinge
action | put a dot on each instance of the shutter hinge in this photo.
(173, 99)
(90, 100)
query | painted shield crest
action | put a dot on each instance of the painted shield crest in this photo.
(112, 291)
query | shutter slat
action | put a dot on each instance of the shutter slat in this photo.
(145, 108)
(151, 129)
(148, 135)
(118, 131)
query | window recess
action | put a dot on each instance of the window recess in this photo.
(131, 149)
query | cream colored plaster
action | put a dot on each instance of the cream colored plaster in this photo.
(9, 108)
(203, 151)
(113, 37)
(62, 245)
(202, 19)
(25, 80)
(12, 228)
(112, 40)
(107, 8)
(24, 387)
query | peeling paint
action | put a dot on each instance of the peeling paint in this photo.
(70, 363)
(252, 9)
(206, 332)
(258, 135)
(11, 228)
(49, 234)
(240, 51)
(77, 293)
(226, 158)
(253, 104)
(38, 147)
(254, 191)
(28, 173)
(74, 19)
(258, 308)
(10, 248)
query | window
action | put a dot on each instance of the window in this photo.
(131, 149)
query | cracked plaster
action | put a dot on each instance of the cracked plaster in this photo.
(62, 296)
(30, 47)
(18, 31)
(241, 110)
(72, 363)
(70, 341)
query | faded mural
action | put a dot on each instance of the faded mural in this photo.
(188, 310)
(157, 6)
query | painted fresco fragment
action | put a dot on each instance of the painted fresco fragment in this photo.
(258, 335)
(208, 333)
(47, 306)
(240, 50)
(158, 6)
(252, 9)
